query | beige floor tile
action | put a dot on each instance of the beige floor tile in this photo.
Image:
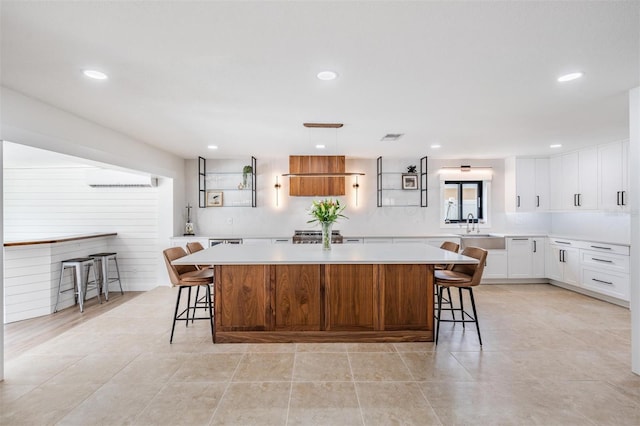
(435, 366)
(183, 404)
(95, 368)
(257, 367)
(392, 403)
(378, 366)
(324, 403)
(207, 368)
(598, 401)
(322, 367)
(113, 404)
(10, 392)
(272, 347)
(370, 347)
(415, 346)
(508, 403)
(321, 347)
(46, 404)
(254, 404)
(36, 369)
(550, 357)
(493, 366)
(151, 368)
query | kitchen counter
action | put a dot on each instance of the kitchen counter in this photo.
(300, 293)
(32, 271)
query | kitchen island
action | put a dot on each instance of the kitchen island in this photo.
(300, 293)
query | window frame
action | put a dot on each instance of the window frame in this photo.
(482, 211)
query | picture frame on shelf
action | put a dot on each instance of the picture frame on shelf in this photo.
(214, 198)
(409, 181)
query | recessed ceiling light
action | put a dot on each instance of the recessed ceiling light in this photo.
(435, 146)
(97, 75)
(569, 77)
(555, 145)
(212, 146)
(327, 75)
(319, 146)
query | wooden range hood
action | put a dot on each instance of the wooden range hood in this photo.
(317, 175)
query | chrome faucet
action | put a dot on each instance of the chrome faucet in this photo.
(473, 225)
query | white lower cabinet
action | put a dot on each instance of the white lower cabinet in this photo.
(496, 264)
(526, 257)
(597, 267)
(606, 282)
(377, 240)
(563, 262)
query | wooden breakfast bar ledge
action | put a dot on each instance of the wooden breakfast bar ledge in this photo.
(300, 293)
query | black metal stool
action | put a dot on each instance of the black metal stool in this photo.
(81, 282)
(102, 263)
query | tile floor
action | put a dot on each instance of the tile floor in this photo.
(550, 357)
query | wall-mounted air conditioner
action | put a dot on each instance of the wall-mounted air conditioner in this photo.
(100, 178)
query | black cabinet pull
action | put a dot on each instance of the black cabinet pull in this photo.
(579, 200)
(602, 260)
(623, 197)
(535, 246)
(601, 248)
(563, 242)
(517, 201)
(601, 281)
(618, 201)
(537, 201)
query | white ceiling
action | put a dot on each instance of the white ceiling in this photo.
(479, 78)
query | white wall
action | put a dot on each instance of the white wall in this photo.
(51, 202)
(613, 227)
(27, 121)
(634, 189)
(365, 219)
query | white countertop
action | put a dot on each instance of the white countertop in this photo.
(287, 254)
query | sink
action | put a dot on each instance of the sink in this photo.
(485, 241)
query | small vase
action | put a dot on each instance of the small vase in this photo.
(326, 235)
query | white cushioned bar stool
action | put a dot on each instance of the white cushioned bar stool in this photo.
(81, 281)
(102, 263)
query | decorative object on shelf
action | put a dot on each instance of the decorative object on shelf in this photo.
(409, 181)
(326, 212)
(246, 174)
(277, 186)
(214, 198)
(188, 227)
(412, 169)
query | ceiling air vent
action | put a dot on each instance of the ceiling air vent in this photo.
(389, 137)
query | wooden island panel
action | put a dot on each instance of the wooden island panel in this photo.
(242, 298)
(323, 303)
(297, 297)
(352, 300)
(407, 296)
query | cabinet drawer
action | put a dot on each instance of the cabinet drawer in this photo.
(604, 248)
(350, 240)
(609, 283)
(609, 262)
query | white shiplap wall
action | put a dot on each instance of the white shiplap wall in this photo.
(49, 202)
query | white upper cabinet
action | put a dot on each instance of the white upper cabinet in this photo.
(574, 180)
(527, 184)
(613, 176)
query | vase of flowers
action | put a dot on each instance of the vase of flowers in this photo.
(326, 212)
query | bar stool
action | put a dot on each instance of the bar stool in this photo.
(102, 263)
(81, 281)
(187, 276)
